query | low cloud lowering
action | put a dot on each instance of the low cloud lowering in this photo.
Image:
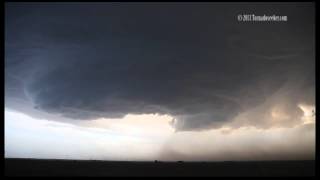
(194, 62)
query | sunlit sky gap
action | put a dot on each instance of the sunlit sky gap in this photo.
(159, 81)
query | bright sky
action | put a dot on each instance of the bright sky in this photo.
(83, 79)
(150, 137)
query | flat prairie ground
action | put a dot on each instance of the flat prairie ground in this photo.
(36, 167)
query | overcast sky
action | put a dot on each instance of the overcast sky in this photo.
(166, 81)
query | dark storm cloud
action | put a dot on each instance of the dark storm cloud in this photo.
(195, 62)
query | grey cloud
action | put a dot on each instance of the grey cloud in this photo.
(296, 143)
(195, 62)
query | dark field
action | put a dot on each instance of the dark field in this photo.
(31, 167)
